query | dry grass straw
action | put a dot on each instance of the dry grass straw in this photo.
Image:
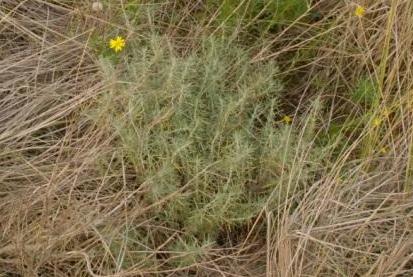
(65, 214)
(356, 219)
(47, 76)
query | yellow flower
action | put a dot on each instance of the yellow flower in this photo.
(360, 11)
(286, 119)
(376, 122)
(383, 150)
(117, 44)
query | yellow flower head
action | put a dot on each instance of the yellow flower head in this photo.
(117, 44)
(286, 119)
(376, 122)
(383, 150)
(360, 11)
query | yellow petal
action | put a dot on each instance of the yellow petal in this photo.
(376, 122)
(287, 119)
(360, 11)
(117, 44)
(112, 43)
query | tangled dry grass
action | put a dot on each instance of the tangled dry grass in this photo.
(145, 168)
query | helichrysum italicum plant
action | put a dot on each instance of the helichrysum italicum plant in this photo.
(205, 129)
